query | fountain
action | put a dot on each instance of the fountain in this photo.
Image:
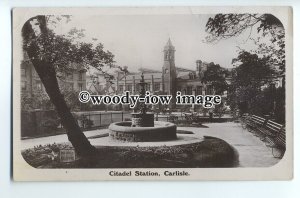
(142, 128)
(143, 142)
(142, 118)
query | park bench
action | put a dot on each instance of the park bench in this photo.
(272, 133)
(270, 129)
(277, 140)
(256, 124)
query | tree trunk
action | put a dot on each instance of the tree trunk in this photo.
(47, 75)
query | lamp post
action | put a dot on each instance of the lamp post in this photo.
(107, 78)
(143, 106)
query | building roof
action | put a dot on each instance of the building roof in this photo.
(169, 45)
(146, 70)
(180, 69)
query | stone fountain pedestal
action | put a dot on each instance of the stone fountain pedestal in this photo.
(142, 120)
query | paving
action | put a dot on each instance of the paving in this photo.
(251, 150)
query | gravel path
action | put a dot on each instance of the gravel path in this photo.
(252, 151)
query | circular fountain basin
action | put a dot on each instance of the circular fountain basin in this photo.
(162, 131)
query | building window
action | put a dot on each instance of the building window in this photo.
(166, 71)
(199, 90)
(129, 87)
(121, 88)
(189, 90)
(23, 85)
(39, 86)
(137, 88)
(192, 75)
(156, 86)
(80, 86)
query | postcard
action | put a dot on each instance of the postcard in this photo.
(152, 93)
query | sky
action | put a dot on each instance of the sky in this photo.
(138, 40)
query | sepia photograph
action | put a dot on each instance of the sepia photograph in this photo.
(152, 93)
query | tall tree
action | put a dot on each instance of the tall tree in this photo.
(270, 40)
(52, 54)
(257, 67)
(215, 74)
(247, 79)
(251, 70)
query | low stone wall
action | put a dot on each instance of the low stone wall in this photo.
(162, 131)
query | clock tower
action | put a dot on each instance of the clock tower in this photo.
(169, 71)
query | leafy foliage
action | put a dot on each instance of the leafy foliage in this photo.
(211, 152)
(39, 100)
(257, 68)
(52, 55)
(246, 92)
(224, 26)
(268, 28)
(215, 74)
(220, 109)
(63, 51)
(252, 70)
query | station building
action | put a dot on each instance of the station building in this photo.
(168, 80)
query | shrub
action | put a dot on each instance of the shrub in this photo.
(50, 124)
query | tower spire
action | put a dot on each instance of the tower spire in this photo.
(169, 45)
(169, 71)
